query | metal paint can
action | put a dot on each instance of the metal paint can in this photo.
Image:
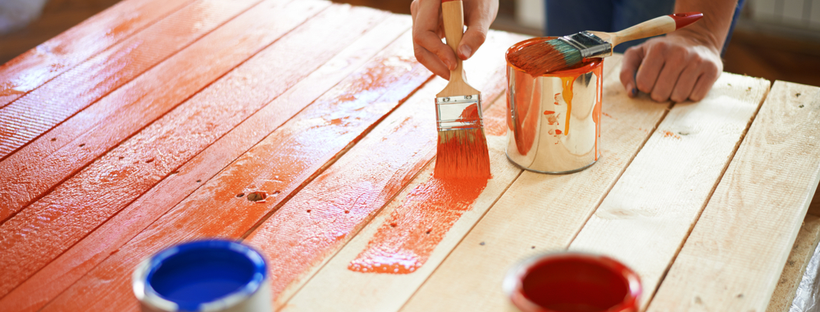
(205, 275)
(554, 119)
(572, 282)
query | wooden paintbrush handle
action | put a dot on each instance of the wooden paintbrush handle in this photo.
(656, 26)
(452, 15)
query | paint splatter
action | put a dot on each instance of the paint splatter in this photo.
(405, 241)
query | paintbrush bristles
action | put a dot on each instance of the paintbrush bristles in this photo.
(462, 154)
(548, 56)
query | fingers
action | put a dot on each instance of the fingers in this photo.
(670, 68)
(427, 45)
(473, 38)
(632, 60)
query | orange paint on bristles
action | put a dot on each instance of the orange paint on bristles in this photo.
(463, 153)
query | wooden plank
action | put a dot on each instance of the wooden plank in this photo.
(329, 211)
(802, 251)
(58, 275)
(52, 103)
(74, 208)
(538, 212)
(280, 165)
(59, 54)
(736, 252)
(647, 215)
(28, 174)
(336, 287)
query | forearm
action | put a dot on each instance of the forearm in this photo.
(713, 28)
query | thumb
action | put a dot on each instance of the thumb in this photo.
(473, 38)
(633, 57)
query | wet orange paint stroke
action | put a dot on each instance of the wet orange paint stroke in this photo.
(74, 46)
(83, 202)
(282, 163)
(35, 113)
(36, 168)
(317, 221)
(404, 242)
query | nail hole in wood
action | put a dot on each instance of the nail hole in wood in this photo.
(53, 139)
(83, 144)
(149, 161)
(428, 232)
(533, 247)
(258, 196)
(801, 106)
(122, 157)
(308, 211)
(240, 194)
(481, 243)
(347, 211)
(197, 181)
(393, 224)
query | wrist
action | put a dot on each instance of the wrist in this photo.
(701, 37)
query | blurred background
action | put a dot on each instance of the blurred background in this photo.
(774, 39)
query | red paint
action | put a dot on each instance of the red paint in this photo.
(74, 46)
(549, 112)
(405, 242)
(280, 162)
(684, 19)
(462, 154)
(573, 282)
(557, 131)
(86, 200)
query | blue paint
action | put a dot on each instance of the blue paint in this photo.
(204, 271)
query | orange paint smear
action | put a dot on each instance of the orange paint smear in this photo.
(284, 160)
(74, 46)
(404, 242)
(667, 134)
(98, 126)
(55, 101)
(109, 184)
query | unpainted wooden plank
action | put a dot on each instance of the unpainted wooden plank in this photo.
(267, 81)
(59, 99)
(648, 214)
(53, 223)
(336, 287)
(279, 165)
(329, 211)
(736, 252)
(59, 54)
(539, 212)
(802, 251)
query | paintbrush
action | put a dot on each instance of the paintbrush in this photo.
(462, 147)
(569, 50)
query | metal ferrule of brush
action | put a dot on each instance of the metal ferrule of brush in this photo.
(451, 111)
(590, 45)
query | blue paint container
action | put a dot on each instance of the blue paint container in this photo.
(206, 275)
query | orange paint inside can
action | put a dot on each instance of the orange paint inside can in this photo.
(404, 242)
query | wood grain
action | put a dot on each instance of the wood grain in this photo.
(35, 113)
(736, 252)
(280, 164)
(647, 215)
(802, 251)
(59, 54)
(337, 288)
(539, 212)
(267, 82)
(35, 170)
(329, 211)
(49, 226)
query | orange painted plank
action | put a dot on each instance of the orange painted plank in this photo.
(280, 164)
(52, 224)
(35, 169)
(53, 57)
(324, 215)
(55, 277)
(35, 113)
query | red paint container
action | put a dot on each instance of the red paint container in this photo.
(572, 282)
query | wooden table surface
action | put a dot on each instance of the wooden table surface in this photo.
(153, 122)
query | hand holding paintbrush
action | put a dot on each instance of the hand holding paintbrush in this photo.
(569, 50)
(462, 147)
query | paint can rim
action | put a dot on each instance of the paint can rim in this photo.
(147, 294)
